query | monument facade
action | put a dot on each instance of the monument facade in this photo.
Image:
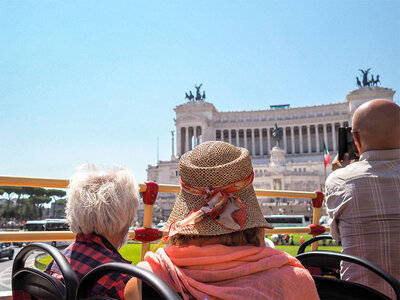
(294, 161)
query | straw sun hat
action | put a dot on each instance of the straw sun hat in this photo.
(214, 166)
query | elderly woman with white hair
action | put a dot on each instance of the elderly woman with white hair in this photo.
(100, 209)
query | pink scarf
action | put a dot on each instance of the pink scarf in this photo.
(222, 272)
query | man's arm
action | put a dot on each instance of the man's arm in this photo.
(334, 201)
(334, 229)
(331, 207)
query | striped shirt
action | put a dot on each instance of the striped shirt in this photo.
(88, 252)
(363, 202)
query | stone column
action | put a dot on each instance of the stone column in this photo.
(229, 136)
(334, 137)
(268, 140)
(253, 144)
(187, 139)
(196, 137)
(317, 138)
(301, 138)
(325, 136)
(172, 143)
(178, 142)
(284, 139)
(245, 138)
(261, 142)
(292, 138)
(237, 138)
(308, 139)
(191, 138)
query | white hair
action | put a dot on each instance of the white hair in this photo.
(102, 201)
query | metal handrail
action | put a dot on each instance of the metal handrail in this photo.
(42, 236)
(32, 236)
(162, 188)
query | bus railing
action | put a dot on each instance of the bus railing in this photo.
(43, 236)
(149, 192)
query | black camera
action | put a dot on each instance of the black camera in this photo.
(346, 144)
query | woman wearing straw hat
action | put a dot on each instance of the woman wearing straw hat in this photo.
(216, 235)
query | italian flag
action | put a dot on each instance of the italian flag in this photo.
(327, 155)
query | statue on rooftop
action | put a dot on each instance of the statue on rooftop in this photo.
(365, 81)
(371, 82)
(365, 76)
(198, 95)
(190, 96)
(376, 81)
(358, 82)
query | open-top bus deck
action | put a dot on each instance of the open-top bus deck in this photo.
(147, 234)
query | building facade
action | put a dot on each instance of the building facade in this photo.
(295, 162)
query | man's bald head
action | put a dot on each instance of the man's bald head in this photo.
(377, 123)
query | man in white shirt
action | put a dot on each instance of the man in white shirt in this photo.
(363, 197)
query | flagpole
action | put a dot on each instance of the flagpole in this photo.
(326, 159)
(323, 158)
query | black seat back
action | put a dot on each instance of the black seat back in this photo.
(332, 288)
(36, 284)
(328, 267)
(87, 282)
(39, 284)
(307, 243)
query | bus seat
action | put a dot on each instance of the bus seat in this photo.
(329, 267)
(155, 282)
(333, 288)
(30, 283)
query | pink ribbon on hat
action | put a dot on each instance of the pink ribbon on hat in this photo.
(221, 203)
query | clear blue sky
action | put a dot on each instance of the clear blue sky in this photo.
(97, 81)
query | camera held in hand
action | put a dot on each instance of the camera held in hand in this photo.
(346, 144)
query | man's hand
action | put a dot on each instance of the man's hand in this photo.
(336, 164)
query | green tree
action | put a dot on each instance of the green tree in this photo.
(29, 202)
(9, 193)
(58, 196)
